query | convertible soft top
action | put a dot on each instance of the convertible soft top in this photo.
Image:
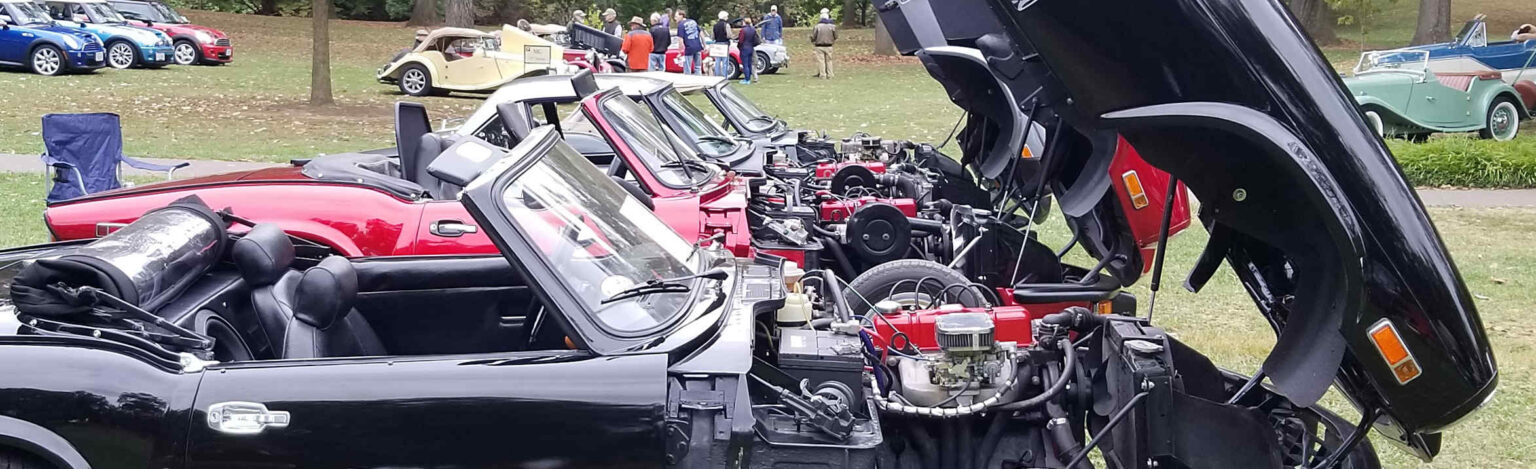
(439, 33)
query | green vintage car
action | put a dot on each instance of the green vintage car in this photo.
(1401, 97)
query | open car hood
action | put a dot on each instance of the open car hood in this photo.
(1300, 198)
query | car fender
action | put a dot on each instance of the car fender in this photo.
(393, 70)
(1486, 95)
(42, 41)
(40, 442)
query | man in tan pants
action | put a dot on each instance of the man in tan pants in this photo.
(822, 36)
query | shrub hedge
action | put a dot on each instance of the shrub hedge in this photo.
(1466, 161)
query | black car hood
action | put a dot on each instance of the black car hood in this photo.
(1307, 206)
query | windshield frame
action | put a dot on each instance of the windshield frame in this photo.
(484, 199)
(101, 13)
(598, 111)
(1368, 63)
(688, 121)
(9, 8)
(740, 110)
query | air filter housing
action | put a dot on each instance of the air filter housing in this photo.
(964, 332)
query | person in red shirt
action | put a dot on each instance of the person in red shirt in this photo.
(637, 45)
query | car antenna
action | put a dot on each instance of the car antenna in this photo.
(1162, 245)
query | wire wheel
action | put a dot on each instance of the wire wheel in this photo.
(185, 54)
(1503, 121)
(414, 81)
(759, 63)
(120, 55)
(47, 60)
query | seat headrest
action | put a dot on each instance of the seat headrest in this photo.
(325, 292)
(263, 255)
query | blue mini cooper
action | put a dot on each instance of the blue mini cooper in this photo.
(29, 38)
(127, 46)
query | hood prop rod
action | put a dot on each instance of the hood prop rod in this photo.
(1162, 245)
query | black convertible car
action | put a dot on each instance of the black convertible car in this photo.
(600, 338)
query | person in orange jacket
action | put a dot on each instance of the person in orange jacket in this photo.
(637, 45)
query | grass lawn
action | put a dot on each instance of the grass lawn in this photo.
(254, 110)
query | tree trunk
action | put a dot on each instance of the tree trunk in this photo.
(320, 64)
(1434, 22)
(884, 45)
(850, 13)
(267, 7)
(1318, 18)
(461, 13)
(424, 13)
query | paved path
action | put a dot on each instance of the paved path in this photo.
(1433, 197)
(30, 164)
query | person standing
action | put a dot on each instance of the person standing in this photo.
(747, 41)
(611, 23)
(823, 36)
(722, 35)
(661, 38)
(666, 19)
(773, 26)
(693, 43)
(579, 17)
(637, 46)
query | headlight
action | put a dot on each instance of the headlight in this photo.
(72, 42)
(204, 38)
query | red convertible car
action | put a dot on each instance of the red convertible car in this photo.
(194, 44)
(375, 204)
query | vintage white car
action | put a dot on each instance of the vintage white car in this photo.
(468, 60)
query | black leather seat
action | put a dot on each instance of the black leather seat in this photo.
(304, 314)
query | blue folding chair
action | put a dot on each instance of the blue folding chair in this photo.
(85, 152)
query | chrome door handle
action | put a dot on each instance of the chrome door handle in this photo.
(452, 228)
(1429, 98)
(244, 418)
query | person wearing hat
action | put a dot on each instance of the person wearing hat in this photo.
(579, 17)
(822, 36)
(661, 37)
(637, 46)
(722, 36)
(611, 23)
(773, 26)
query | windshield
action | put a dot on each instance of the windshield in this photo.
(102, 13)
(167, 15)
(23, 13)
(599, 238)
(673, 162)
(708, 136)
(1409, 61)
(744, 110)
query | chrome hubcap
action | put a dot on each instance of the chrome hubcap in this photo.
(1503, 121)
(759, 63)
(121, 56)
(185, 54)
(414, 81)
(46, 61)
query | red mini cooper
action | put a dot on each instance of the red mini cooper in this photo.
(193, 44)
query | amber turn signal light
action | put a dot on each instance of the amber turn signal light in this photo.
(1392, 348)
(1133, 187)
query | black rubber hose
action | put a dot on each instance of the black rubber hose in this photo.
(963, 448)
(923, 443)
(1069, 369)
(1061, 433)
(836, 249)
(927, 226)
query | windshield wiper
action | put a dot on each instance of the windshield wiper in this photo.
(687, 165)
(666, 285)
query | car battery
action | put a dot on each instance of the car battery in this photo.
(821, 356)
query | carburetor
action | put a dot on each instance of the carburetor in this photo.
(970, 365)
